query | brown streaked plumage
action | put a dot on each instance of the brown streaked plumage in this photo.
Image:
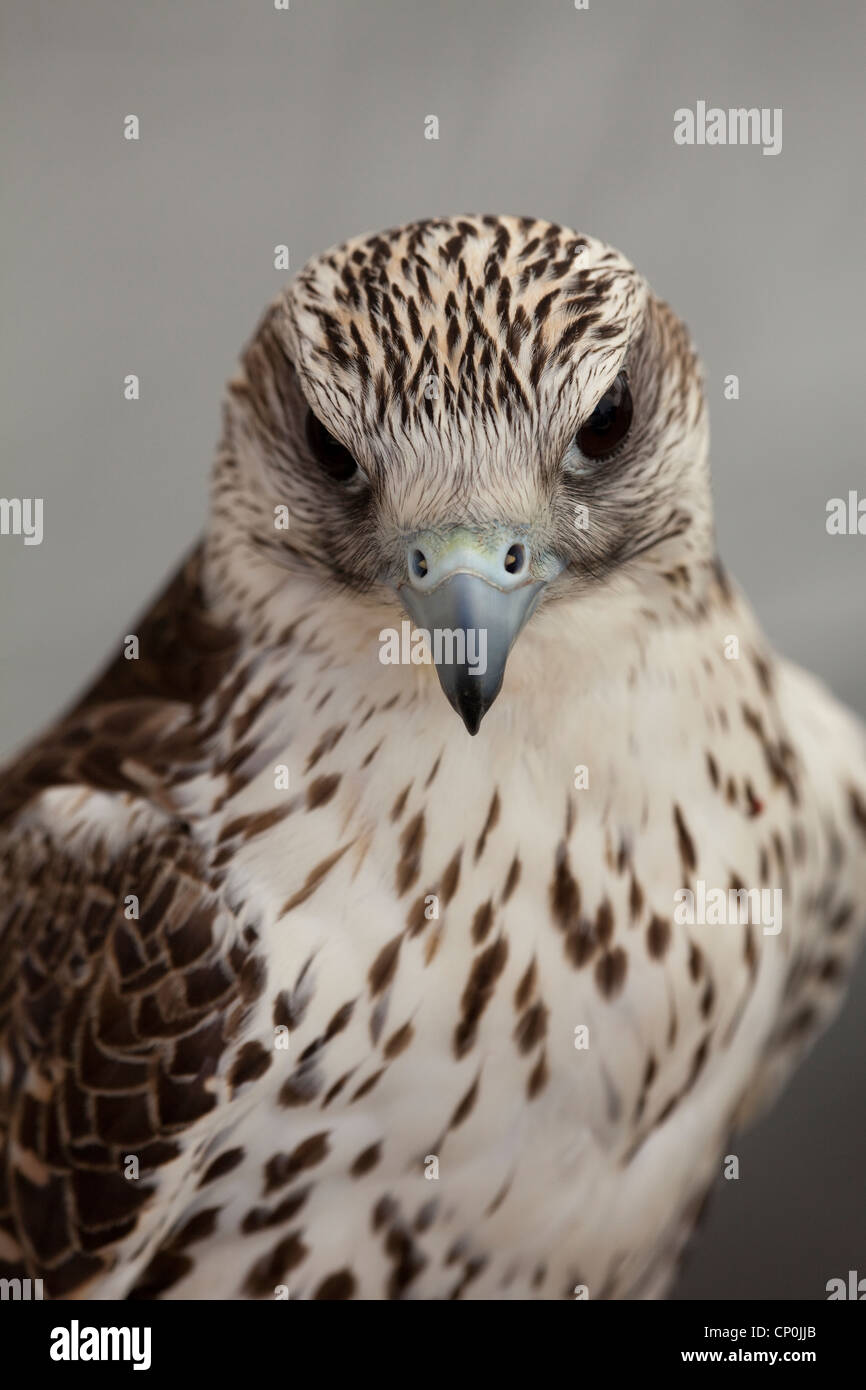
(277, 930)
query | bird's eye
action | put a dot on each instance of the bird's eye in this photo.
(608, 424)
(328, 452)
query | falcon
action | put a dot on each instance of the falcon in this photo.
(330, 976)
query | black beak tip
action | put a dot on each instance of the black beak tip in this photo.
(472, 702)
(471, 712)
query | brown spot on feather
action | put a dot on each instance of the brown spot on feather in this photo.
(271, 1270)
(658, 937)
(383, 969)
(411, 846)
(367, 1159)
(482, 921)
(685, 842)
(489, 824)
(313, 879)
(610, 972)
(321, 790)
(465, 1106)
(486, 969)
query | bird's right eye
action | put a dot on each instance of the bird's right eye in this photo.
(609, 423)
(332, 457)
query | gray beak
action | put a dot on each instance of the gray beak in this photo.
(471, 596)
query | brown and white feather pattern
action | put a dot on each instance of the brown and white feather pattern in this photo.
(264, 909)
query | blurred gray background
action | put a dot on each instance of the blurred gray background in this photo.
(303, 128)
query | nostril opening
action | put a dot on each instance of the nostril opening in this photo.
(515, 559)
(418, 564)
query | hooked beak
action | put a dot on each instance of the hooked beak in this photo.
(472, 595)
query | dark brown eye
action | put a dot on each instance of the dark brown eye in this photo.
(608, 424)
(328, 452)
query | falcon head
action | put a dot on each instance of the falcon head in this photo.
(474, 418)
